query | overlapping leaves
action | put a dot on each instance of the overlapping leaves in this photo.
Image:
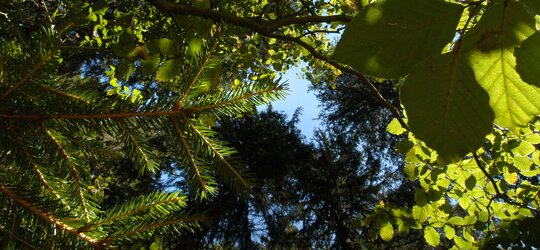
(446, 97)
(477, 183)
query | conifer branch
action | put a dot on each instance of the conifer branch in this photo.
(191, 158)
(147, 161)
(25, 243)
(219, 155)
(88, 116)
(29, 75)
(46, 216)
(30, 159)
(63, 93)
(129, 213)
(74, 170)
(151, 226)
(40, 174)
(195, 79)
(234, 100)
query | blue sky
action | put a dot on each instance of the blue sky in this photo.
(300, 97)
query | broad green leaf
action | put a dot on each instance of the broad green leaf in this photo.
(395, 128)
(523, 163)
(483, 216)
(462, 243)
(202, 4)
(155, 246)
(490, 46)
(387, 232)
(533, 5)
(419, 213)
(536, 158)
(126, 43)
(404, 146)
(456, 220)
(150, 64)
(195, 46)
(168, 70)
(527, 58)
(388, 37)
(431, 236)
(470, 183)
(403, 228)
(165, 46)
(124, 69)
(511, 178)
(411, 171)
(420, 197)
(446, 107)
(464, 201)
(449, 231)
(531, 173)
(523, 148)
(533, 138)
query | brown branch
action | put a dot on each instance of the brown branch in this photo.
(267, 27)
(254, 24)
(45, 215)
(344, 68)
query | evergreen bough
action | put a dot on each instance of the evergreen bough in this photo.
(55, 126)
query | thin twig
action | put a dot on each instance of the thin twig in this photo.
(498, 192)
(268, 27)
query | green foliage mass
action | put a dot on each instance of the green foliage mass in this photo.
(470, 94)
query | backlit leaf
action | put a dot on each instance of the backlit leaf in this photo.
(419, 213)
(533, 5)
(388, 37)
(431, 236)
(511, 178)
(395, 128)
(523, 148)
(446, 107)
(449, 232)
(491, 46)
(165, 46)
(168, 70)
(387, 232)
(523, 163)
(527, 58)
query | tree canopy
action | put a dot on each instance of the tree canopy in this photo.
(86, 84)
